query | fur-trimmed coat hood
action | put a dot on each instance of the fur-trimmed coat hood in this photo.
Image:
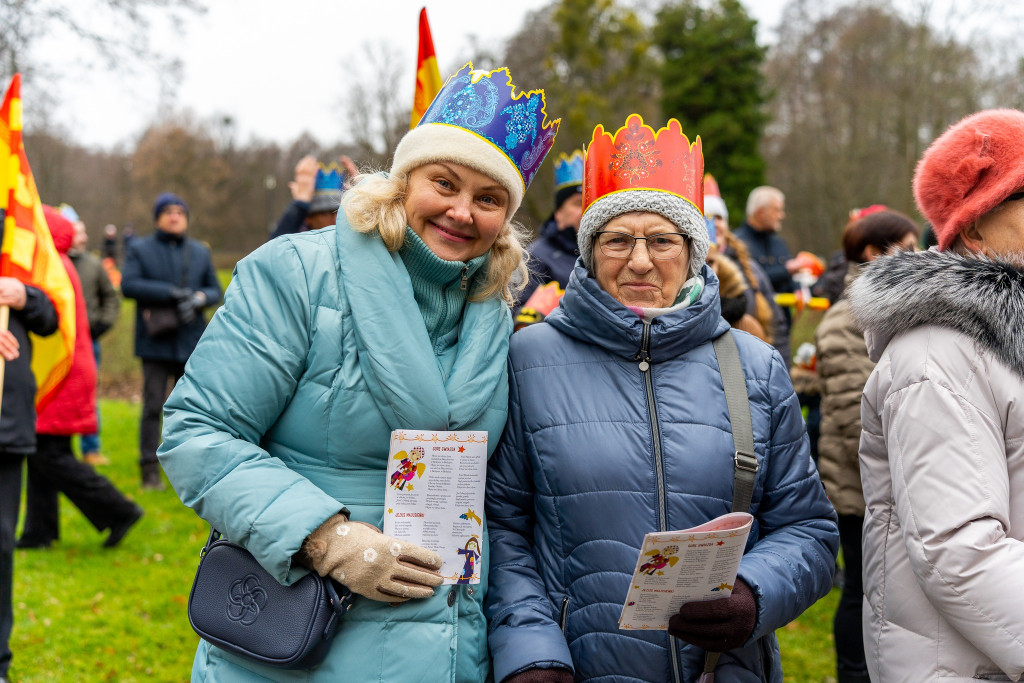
(981, 298)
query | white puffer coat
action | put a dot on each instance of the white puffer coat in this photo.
(942, 463)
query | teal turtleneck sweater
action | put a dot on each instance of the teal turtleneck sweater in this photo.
(440, 287)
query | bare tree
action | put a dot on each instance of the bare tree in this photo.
(860, 91)
(376, 103)
(594, 62)
(114, 30)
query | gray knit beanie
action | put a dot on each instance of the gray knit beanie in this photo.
(684, 215)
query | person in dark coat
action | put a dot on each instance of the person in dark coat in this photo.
(553, 254)
(53, 469)
(766, 208)
(618, 427)
(316, 195)
(109, 248)
(166, 272)
(30, 311)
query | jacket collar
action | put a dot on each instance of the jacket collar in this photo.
(562, 239)
(978, 297)
(168, 237)
(395, 352)
(590, 314)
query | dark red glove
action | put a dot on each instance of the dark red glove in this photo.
(540, 676)
(717, 625)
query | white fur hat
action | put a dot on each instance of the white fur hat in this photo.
(433, 142)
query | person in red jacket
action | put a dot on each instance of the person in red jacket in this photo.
(53, 469)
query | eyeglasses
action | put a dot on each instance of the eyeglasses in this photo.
(663, 246)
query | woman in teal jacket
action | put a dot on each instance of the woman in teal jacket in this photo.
(278, 433)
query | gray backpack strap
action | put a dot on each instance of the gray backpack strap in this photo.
(744, 460)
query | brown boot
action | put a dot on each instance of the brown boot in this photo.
(95, 459)
(152, 478)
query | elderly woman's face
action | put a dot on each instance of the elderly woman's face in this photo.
(456, 211)
(638, 279)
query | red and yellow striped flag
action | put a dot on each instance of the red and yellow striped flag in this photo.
(27, 251)
(428, 78)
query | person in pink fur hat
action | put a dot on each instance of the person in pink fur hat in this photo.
(969, 177)
(942, 447)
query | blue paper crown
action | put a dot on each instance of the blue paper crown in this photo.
(569, 169)
(329, 179)
(485, 103)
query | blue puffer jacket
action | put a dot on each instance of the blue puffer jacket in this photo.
(598, 453)
(285, 414)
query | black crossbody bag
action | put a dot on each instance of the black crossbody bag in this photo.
(238, 606)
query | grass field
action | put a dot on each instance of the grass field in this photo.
(83, 613)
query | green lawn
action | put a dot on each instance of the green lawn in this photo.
(83, 613)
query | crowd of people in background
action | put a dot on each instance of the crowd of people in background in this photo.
(907, 408)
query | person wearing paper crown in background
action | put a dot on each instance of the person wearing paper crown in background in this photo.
(644, 445)
(553, 254)
(279, 432)
(942, 416)
(316, 194)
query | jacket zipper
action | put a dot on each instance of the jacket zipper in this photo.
(563, 617)
(463, 284)
(762, 653)
(644, 358)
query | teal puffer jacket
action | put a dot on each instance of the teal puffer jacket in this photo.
(284, 416)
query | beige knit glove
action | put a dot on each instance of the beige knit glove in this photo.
(379, 567)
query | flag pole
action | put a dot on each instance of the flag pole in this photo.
(5, 313)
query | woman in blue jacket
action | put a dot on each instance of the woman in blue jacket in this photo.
(618, 426)
(278, 433)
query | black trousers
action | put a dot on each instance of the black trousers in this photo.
(10, 500)
(53, 470)
(848, 628)
(155, 376)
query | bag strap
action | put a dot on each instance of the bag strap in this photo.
(744, 461)
(735, 385)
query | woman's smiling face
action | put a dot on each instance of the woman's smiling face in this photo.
(456, 211)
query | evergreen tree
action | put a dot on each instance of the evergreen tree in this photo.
(711, 81)
(593, 59)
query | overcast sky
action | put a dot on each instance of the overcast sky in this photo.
(275, 68)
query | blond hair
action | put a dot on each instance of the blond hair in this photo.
(377, 203)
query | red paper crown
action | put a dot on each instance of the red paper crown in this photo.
(637, 158)
(711, 186)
